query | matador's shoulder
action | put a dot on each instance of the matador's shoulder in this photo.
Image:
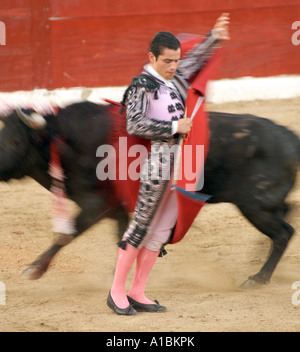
(148, 82)
(145, 81)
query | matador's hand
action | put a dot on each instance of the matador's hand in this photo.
(221, 27)
(184, 125)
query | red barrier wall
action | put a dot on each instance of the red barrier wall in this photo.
(54, 43)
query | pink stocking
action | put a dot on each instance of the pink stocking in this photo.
(125, 261)
(145, 262)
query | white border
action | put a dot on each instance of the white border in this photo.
(220, 91)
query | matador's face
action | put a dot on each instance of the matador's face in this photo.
(167, 62)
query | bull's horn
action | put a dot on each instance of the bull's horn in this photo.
(32, 120)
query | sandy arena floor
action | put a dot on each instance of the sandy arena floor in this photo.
(198, 280)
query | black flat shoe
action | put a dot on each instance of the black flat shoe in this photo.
(141, 307)
(126, 311)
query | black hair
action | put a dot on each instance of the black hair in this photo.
(163, 40)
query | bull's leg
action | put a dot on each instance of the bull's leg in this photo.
(37, 268)
(88, 216)
(280, 232)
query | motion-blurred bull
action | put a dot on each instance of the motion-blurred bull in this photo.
(25, 150)
(252, 163)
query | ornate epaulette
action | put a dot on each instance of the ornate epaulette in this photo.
(144, 81)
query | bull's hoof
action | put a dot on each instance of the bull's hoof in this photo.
(33, 272)
(253, 283)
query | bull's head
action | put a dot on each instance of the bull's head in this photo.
(18, 150)
(32, 119)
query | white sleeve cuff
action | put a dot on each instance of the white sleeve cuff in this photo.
(174, 127)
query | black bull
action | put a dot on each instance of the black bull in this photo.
(252, 163)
